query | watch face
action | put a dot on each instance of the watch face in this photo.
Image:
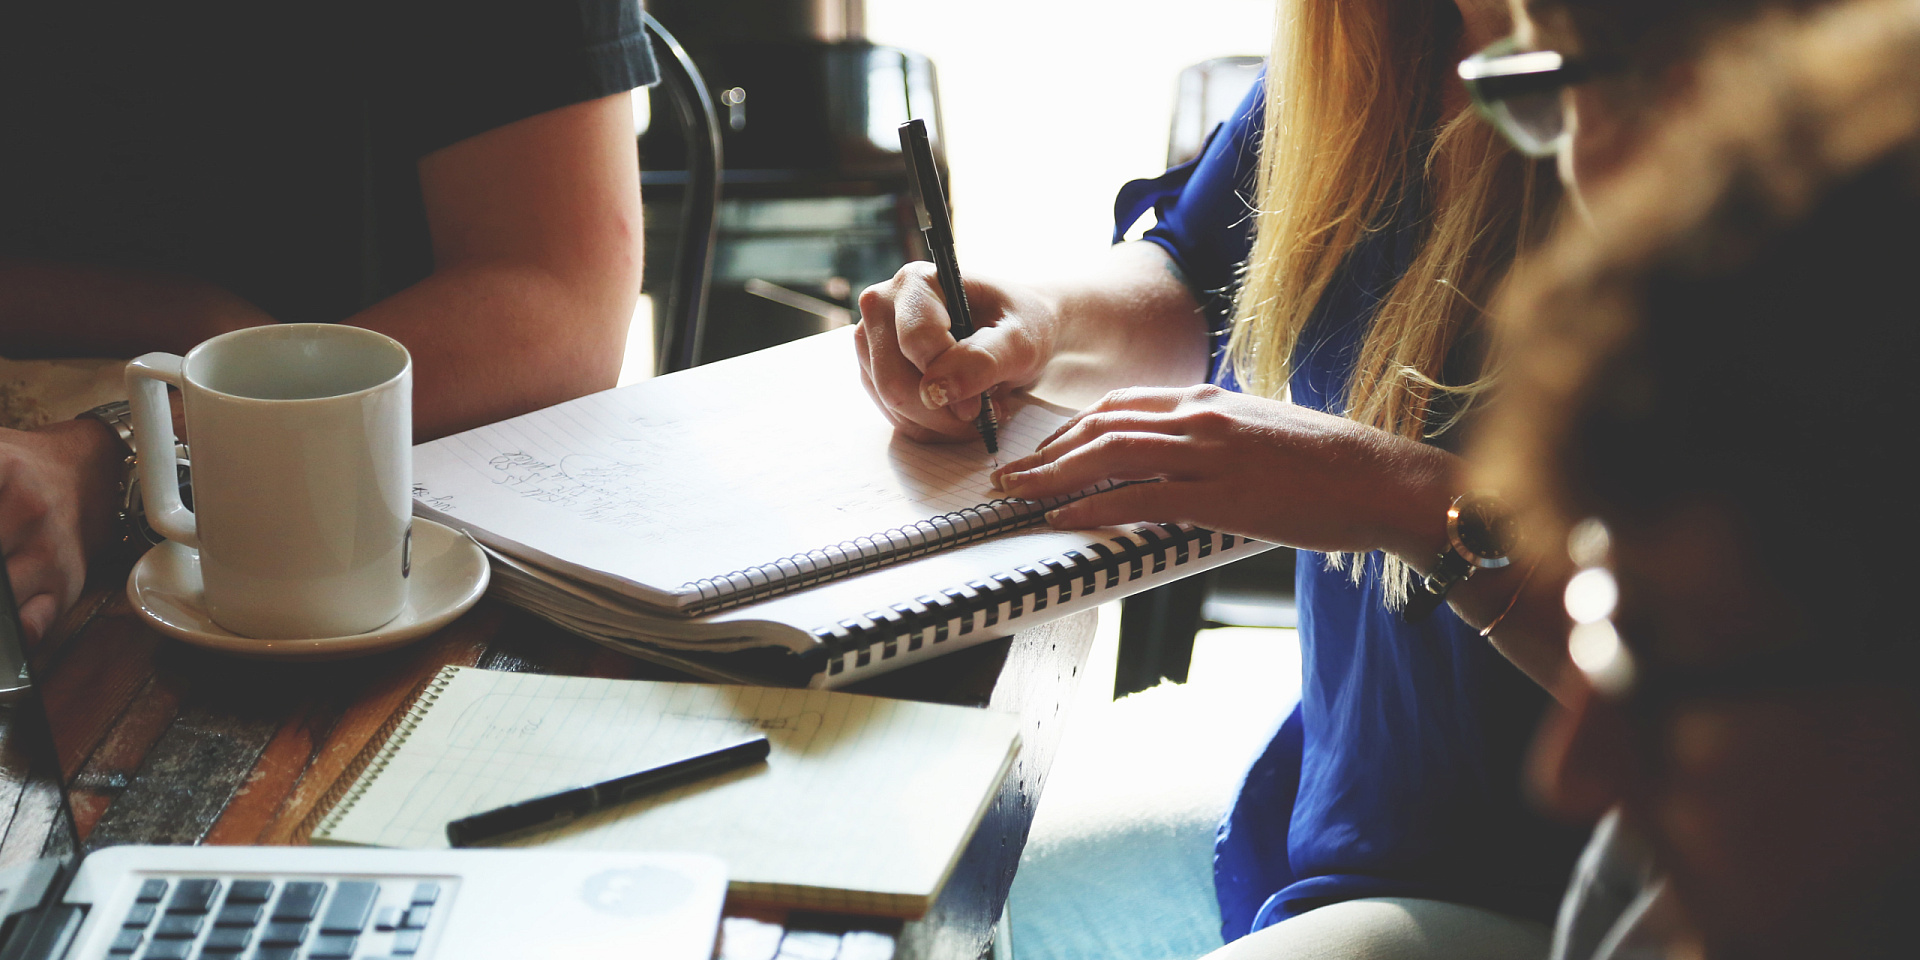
(1485, 527)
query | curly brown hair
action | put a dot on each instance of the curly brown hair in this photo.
(1739, 325)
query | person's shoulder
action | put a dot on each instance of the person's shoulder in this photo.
(463, 67)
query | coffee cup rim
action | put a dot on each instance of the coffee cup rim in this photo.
(186, 367)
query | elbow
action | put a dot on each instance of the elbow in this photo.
(601, 292)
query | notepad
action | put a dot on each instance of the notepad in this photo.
(863, 806)
(763, 503)
(726, 483)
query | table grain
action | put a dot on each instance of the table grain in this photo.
(165, 743)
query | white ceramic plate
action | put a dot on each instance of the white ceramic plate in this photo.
(449, 574)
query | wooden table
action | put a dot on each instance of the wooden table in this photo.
(166, 743)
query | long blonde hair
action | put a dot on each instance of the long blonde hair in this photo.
(1353, 117)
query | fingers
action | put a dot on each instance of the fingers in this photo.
(47, 483)
(907, 428)
(923, 325)
(36, 617)
(1108, 456)
(1003, 353)
(1138, 399)
(895, 379)
(1166, 502)
(41, 591)
(906, 306)
(1088, 426)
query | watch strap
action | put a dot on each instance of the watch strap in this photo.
(1432, 590)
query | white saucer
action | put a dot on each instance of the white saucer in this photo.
(449, 574)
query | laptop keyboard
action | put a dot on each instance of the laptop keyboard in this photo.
(292, 919)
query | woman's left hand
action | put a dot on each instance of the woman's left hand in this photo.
(1244, 465)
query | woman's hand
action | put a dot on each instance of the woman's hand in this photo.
(928, 385)
(1261, 468)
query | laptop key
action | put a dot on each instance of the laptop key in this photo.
(352, 904)
(193, 896)
(152, 891)
(168, 950)
(227, 940)
(407, 941)
(284, 934)
(127, 942)
(239, 914)
(299, 901)
(250, 891)
(178, 926)
(425, 894)
(416, 918)
(332, 948)
(140, 915)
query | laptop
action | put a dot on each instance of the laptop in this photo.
(59, 902)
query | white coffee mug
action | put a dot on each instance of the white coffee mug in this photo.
(302, 474)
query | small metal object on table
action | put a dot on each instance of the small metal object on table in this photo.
(165, 743)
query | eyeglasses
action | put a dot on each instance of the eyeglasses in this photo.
(1608, 660)
(1518, 91)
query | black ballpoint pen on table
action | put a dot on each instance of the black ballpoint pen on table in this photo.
(936, 225)
(556, 808)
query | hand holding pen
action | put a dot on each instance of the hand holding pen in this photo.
(936, 225)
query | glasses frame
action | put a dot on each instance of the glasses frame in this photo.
(1616, 665)
(1502, 72)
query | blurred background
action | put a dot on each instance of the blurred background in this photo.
(1041, 108)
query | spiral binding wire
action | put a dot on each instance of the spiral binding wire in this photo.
(366, 773)
(872, 551)
(855, 642)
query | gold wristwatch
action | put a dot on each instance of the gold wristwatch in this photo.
(130, 517)
(1481, 534)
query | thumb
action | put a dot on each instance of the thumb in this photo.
(37, 616)
(1002, 353)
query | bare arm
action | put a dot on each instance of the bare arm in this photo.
(1131, 322)
(536, 233)
(536, 236)
(537, 253)
(1277, 471)
(50, 309)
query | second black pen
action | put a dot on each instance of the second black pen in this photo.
(557, 808)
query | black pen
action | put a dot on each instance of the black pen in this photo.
(936, 225)
(557, 808)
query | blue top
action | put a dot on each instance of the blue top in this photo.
(1399, 774)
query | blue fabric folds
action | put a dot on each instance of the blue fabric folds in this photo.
(1399, 773)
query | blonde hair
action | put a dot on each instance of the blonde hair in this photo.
(1352, 118)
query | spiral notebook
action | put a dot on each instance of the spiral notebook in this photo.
(759, 519)
(920, 776)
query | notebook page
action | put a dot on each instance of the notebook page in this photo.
(861, 799)
(722, 468)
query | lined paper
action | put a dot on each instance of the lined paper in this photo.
(650, 487)
(864, 804)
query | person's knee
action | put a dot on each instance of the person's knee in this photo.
(1394, 929)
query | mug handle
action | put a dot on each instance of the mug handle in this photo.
(147, 379)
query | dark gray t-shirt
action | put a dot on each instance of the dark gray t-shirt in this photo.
(272, 147)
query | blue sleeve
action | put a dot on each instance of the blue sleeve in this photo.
(1205, 211)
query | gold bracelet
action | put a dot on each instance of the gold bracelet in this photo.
(1517, 591)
